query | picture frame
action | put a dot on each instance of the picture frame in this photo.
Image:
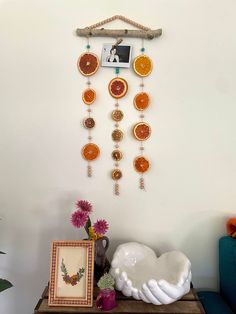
(71, 273)
(116, 55)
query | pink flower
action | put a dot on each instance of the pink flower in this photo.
(100, 226)
(79, 218)
(84, 206)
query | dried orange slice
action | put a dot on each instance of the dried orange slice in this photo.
(88, 63)
(141, 131)
(117, 135)
(116, 174)
(141, 101)
(117, 115)
(89, 96)
(89, 123)
(141, 164)
(90, 151)
(142, 65)
(118, 87)
(117, 155)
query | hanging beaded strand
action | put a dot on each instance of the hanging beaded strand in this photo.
(88, 64)
(89, 110)
(141, 130)
(118, 88)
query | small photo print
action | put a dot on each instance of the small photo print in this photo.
(116, 55)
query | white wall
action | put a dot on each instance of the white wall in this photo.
(191, 185)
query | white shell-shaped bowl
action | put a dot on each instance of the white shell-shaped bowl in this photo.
(139, 273)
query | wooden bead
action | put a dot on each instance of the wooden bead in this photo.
(141, 183)
(117, 189)
(89, 171)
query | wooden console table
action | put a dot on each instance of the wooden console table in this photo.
(189, 304)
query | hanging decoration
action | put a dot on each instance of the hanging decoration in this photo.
(142, 66)
(118, 88)
(88, 64)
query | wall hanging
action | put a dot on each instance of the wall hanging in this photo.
(88, 64)
(118, 56)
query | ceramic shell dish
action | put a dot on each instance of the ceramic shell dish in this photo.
(139, 273)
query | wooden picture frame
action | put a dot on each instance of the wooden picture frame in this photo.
(71, 274)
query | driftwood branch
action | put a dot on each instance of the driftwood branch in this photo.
(88, 32)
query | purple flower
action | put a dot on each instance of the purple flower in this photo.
(84, 206)
(79, 218)
(100, 226)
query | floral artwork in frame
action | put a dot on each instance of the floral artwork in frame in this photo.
(71, 273)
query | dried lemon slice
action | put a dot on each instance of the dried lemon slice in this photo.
(142, 65)
(88, 63)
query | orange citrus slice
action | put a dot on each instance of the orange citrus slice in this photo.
(141, 131)
(141, 101)
(88, 63)
(141, 164)
(117, 115)
(117, 135)
(89, 123)
(89, 96)
(90, 151)
(118, 87)
(116, 174)
(117, 155)
(142, 65)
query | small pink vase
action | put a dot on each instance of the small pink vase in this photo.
(106, 300)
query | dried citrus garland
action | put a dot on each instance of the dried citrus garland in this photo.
(88, 64)
(118, 88)
(142, 66)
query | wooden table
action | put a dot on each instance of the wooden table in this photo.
(188, 304)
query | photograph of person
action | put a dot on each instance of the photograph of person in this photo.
(113, 57)
(116, 55)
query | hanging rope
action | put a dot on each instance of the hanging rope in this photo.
(122, 18)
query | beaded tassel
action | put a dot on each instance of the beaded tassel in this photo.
(117, 189)
(141, 184)
(89, 171)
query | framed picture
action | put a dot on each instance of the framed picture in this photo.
(116, 56)
(71, 273)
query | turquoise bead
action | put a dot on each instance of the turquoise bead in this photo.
(88, 46)
(142, 49)
(117, 70)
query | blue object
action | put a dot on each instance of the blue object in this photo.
(88, 46)
(223, 302)
(117, 70)
(142, 49)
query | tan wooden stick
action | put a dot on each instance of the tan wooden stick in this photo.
(88, 32)
(143, 32)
